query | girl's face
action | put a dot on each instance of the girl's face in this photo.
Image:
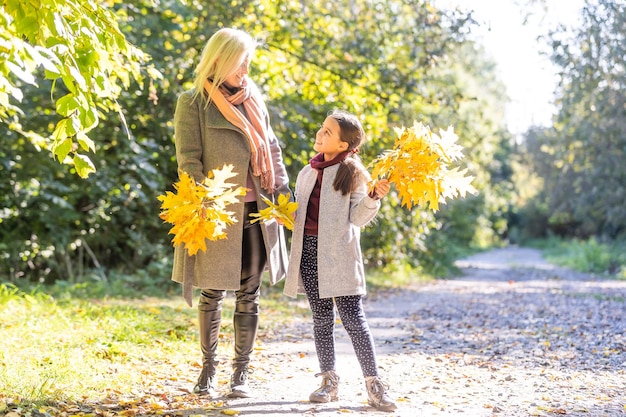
(327, 140)
(239, 79)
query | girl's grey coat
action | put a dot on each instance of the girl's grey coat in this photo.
(205, 140)
(339, 260)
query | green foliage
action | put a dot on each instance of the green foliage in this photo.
(77, 44)
(474, 106)
(438, 78)
(57, 226)
(590, 255)
(579, 161)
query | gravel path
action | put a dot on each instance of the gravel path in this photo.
(512, 336)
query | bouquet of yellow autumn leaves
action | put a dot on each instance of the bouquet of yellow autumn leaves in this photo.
(198, 210)
(417, 165)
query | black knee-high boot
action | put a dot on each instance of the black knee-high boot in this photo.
(246, 316)
(209, 318)
(246, 326)
(245, 323)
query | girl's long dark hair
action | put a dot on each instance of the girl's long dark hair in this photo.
(350, 173)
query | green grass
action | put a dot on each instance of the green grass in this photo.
(72, 348)
(61, 343)
(99, 339)
(590, 255)
(380, 280)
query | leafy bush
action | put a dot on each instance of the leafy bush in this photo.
(586, 256)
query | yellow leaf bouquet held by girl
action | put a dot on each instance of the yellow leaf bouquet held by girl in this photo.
(198, 211)
(418, 167)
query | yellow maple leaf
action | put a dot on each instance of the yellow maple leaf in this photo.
(283, 210)
(417, 165)
(198, 210)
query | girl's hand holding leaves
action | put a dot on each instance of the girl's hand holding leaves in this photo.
(381, 188)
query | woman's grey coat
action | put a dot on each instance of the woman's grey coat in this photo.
(339, 258)
(205, 140)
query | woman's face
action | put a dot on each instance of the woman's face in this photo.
(239, 79)
(328, 141)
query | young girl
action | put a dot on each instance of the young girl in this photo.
(325, 261)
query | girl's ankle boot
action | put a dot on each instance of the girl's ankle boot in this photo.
(377, 395)
(328, 390)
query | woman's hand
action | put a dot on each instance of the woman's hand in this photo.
(282, 222)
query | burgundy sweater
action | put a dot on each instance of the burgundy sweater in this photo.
(313, 209)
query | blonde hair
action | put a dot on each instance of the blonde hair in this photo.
(222, 55)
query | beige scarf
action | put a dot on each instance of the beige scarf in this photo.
(254, 129)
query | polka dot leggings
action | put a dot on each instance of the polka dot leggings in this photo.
(350, 310)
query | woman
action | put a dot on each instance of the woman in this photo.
(223, 120)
